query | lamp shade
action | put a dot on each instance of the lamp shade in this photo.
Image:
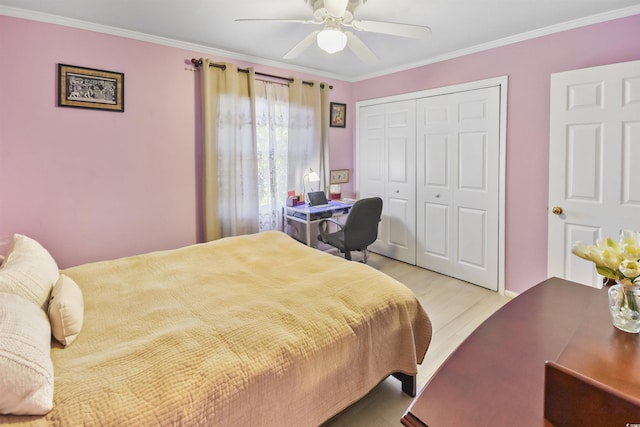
(313, 177)
(331, 40)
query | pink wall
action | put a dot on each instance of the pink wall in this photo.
(529, 65)
(92, 185)
(95, 185)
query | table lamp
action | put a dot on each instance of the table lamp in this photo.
(311, 177)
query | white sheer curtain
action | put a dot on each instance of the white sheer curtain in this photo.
(272, 126)
(230, 186)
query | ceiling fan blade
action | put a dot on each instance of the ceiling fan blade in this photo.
(300, 47)
(402, 30)
(336, 8)
(360, 49)
(295, 21)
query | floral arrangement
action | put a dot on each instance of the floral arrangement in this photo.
(619, 260)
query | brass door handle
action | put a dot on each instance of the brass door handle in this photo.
(557, 210)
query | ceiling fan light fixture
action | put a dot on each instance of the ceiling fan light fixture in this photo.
(331, 40)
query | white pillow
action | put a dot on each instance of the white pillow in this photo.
(28, 270)
(66, 310)
(26, 379)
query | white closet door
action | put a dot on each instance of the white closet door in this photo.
(386, 168)
(594, 153)
(458, 142)
(371, 161)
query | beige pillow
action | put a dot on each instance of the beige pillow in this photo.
(28, 270)
(66, 310)
(26, 379)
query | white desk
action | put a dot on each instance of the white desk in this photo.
(304, 213)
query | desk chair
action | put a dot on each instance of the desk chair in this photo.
(359, 231)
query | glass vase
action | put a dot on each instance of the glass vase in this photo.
(624, 301)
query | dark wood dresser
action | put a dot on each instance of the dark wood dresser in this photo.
(549, 357)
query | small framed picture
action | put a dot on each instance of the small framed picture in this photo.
(81, 87)
(338, 115)
(339, 176)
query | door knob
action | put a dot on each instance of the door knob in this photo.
(557, 210)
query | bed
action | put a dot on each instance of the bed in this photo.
(248, 330)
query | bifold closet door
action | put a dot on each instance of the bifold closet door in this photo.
(457, 191)
(386, 168)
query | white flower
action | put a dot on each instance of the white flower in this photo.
(611, 258)
(588, 252)
(616, 260)
(630, 268)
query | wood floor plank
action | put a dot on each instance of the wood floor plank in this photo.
(456, 309)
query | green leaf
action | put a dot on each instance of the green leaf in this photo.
(608, 272)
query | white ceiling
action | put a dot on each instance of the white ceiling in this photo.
(459, 26)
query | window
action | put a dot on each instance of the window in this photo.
(272, 131)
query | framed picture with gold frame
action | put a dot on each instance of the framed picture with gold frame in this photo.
(338, 115)
(81, 87)
(339, 176)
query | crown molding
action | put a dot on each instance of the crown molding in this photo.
(120, 32)
(105, 29)
(552, 29)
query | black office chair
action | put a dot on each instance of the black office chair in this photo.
(359, 230)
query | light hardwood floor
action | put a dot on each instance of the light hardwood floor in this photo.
(455, 308)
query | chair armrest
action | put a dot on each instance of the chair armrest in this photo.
(324, 224)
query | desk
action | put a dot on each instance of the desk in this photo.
(304, 213)
(497, 375)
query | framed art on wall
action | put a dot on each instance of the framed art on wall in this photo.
(338, 115)
(81, 87)
(339, 176)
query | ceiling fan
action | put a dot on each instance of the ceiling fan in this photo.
(333, 15)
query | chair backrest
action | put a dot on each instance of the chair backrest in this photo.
(361, 227)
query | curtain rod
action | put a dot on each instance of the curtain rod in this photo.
(198, 62)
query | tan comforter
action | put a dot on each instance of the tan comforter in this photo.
(255, 330)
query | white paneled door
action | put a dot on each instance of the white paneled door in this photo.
(594, 162)
(386, 166)
(457, 191)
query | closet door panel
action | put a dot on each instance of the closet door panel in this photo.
(458, 165)
(434, 191)
(399, 207)
(372, 158)
(471, 228)
(435, 223)
(476, 187)
(399, 238)
(433, 212)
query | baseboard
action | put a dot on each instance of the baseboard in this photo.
(510, 294)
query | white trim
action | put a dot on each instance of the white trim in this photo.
(461, 87)
(552, 29)
(502, 82)
(510, 294)
(84, 25)
(120, 32)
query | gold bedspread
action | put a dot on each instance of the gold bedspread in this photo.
(255, 330)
